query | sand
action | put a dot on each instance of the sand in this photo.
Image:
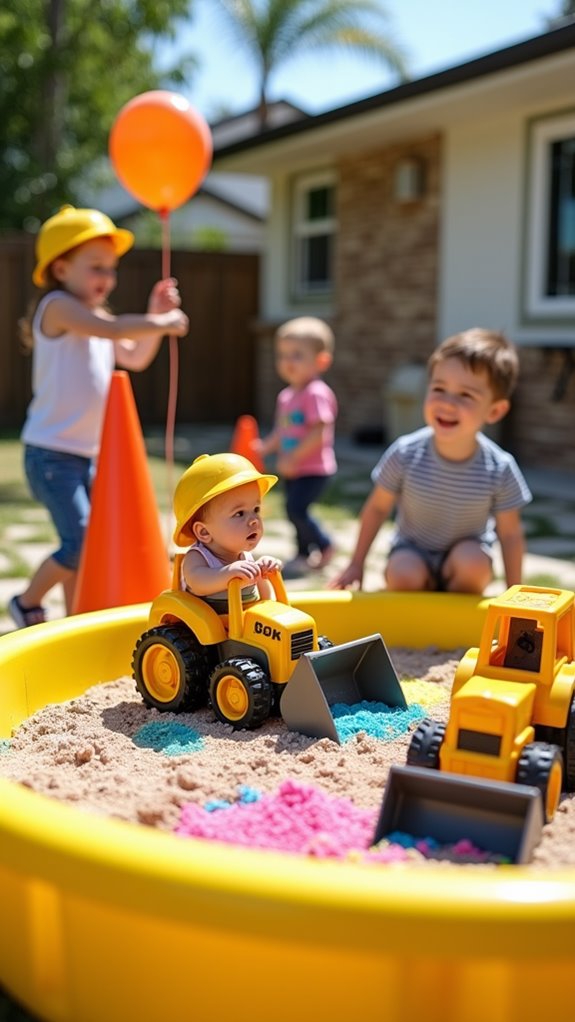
(105, 753)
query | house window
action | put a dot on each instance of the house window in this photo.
(550, 262)
(314, 226)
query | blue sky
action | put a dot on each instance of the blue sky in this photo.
(435, 34)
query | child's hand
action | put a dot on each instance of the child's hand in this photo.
(242, 570)
(287, 466)
(164, 296)
(268, 565)
(350, 577)
(175, 322)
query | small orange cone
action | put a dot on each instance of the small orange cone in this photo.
(245, 432)
(124, 559)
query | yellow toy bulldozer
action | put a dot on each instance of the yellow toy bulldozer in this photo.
(261, 659)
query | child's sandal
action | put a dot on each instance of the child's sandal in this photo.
(24, 617)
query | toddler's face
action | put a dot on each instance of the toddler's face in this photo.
(234, 521)
(459, 402)
(89, 271)
(297, 361)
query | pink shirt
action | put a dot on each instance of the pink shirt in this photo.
(296, 412)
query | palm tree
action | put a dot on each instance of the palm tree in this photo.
(564, 15)
(275, 30)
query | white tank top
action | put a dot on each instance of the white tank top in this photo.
(71, 377)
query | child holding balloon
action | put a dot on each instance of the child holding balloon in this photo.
(77, 343)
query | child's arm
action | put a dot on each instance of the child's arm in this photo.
(267, 445)
(510, 535)
(137, 355)
(67, 314)
(376, 510)
(287, 464)
(205, 581)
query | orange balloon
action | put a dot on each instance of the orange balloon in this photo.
(161, 149)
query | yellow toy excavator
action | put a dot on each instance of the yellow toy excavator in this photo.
(511, 722)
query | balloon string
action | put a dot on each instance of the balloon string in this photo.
(173, 379)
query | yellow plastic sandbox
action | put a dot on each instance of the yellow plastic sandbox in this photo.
(104, 921)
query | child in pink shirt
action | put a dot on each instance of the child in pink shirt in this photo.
(303, 436)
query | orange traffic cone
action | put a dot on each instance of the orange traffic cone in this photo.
(124, 559)
(245, 432)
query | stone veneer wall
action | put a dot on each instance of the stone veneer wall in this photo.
(387, 274)
(542, 418)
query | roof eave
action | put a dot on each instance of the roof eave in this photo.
(539, 47)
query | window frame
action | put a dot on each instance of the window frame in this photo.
(537, 305)
(302, 228)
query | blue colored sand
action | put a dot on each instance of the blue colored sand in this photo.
(169, 737)
(376, 719)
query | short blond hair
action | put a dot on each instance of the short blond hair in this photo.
(481, 350)
(309, 329)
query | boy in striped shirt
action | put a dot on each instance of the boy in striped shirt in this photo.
(453, 489)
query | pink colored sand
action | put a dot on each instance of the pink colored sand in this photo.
(304, 820)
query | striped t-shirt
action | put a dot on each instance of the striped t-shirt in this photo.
(441, 502)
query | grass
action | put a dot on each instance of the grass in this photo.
(544, 579)
(342, 499)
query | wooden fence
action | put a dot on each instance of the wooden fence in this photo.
(216, 361)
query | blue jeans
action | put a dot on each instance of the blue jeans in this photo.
(62, 482)
(300, 493)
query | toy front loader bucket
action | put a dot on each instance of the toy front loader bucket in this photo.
(498, 817)
(349, 673)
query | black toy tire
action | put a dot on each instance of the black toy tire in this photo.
(241, 693)
(171, 669)
(540, 765)
(569, 749)
(426, 741)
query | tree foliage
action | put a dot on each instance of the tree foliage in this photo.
(273, 31)
(66, 68)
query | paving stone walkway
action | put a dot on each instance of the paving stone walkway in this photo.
(550, 558)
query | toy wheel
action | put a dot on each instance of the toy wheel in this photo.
(277, 693)
(323, 642)
(541, 765)
(241, 693)
(170, 669)
(426, 741)
(569, 748)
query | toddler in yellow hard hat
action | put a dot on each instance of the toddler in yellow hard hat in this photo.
(76, 345)
(218, 509)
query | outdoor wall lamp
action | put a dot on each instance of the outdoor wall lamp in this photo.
(409, 179)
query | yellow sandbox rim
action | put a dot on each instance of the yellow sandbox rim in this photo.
(107, 920)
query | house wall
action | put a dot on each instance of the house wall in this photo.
(481, 225)
(384, 309)
(410, 275)
(484, 236)
(241, 233)
(387, 265)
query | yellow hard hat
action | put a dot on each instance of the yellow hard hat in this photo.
(207, 477)
(71, 227)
